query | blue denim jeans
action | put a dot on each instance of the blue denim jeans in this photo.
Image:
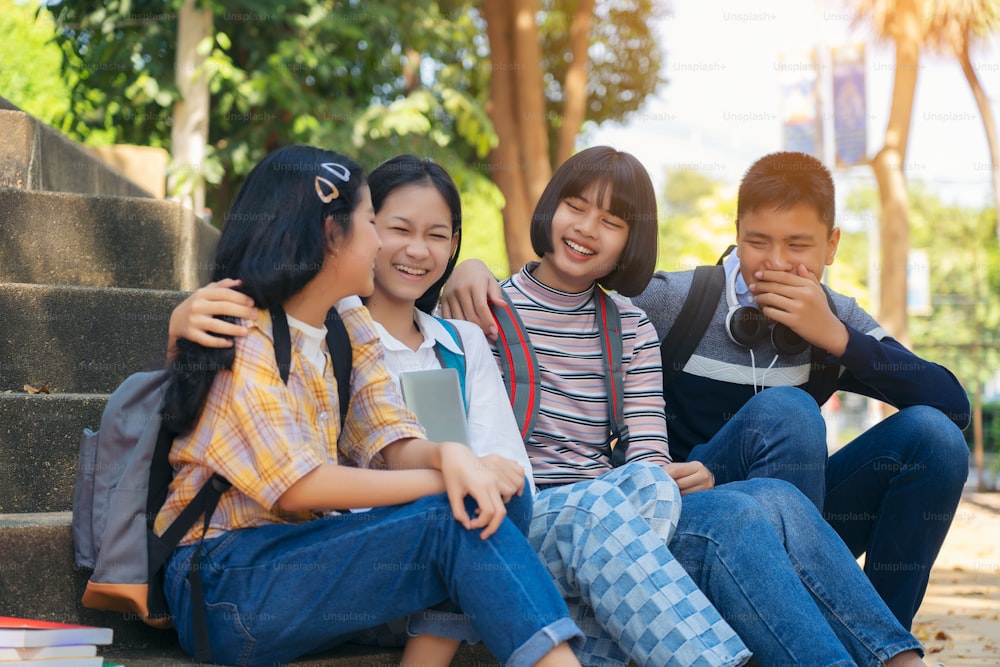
(274, 593)
(782, 578)
(778, 434)
(447, 619)
(891, 493)
(603, 542)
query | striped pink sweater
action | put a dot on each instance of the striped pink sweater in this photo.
(572, 420)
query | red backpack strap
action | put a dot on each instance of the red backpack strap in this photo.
(518, 365)
(610, 330)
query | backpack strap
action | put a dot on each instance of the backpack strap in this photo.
(692, 320)
(338, 343)
(159, 548)
(518, 365)
(610, 330)
(450, 359)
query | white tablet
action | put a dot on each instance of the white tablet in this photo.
(435, 397)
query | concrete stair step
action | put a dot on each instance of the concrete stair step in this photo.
(39, 448)
(34, 156)
(80, 339)
(38, 579)
(102, 241)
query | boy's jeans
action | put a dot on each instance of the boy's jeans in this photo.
(891, 493)
(783, 579)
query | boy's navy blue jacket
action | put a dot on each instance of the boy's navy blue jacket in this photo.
(720, 376)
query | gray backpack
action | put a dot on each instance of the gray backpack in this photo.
(122, 478)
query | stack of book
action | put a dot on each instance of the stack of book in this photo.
(28, 642)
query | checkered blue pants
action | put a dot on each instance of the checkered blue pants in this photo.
(604, 543)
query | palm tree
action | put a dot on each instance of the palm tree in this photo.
(899, 21)
(943, 25)
(954, 26)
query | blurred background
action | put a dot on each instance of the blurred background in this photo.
(896, 96)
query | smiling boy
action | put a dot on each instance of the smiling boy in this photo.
(742, 408)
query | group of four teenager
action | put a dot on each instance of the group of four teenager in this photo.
(552, 555)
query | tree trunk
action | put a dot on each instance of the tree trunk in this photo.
(888, 168)
(533, 125)
(506, 160)
(986, 113)
(575, 86)
(520, 162)
(189, 135)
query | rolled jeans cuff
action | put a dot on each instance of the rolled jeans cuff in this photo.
(440, 623)
(883, 655)
(543, 641)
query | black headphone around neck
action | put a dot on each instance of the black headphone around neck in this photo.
(747, 325)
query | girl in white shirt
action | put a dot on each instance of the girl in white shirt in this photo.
(419, 220)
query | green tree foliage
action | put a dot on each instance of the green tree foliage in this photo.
(698, 221)
(962, 331)
(684, 188)
(302, 72)
(31, 62)
(625, 59)
(371, 79)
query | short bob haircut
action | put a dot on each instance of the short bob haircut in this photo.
(406, 170)
(632, 200)
(275, 241)
(787, 179)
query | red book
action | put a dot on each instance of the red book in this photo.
(26, 632)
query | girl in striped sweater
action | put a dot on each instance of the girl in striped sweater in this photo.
(759, 549)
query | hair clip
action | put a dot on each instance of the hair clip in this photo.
(338, 171)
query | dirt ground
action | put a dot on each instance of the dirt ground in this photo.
(959, 620)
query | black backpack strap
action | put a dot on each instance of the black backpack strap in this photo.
(159, 548)
(692, 320)
(282, 342)
(610, 331)
(518, 365)
(338, 343)
(211, 492)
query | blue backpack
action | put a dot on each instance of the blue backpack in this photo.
(450, 359)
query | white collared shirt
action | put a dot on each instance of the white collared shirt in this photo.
(492, 426)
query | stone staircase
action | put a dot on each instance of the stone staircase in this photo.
(90, 267)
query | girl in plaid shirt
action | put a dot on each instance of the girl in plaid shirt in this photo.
(287, 568)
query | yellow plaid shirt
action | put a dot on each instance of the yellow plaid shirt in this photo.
(263, 436)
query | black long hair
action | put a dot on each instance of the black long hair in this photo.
(274, 240)
(404, 170)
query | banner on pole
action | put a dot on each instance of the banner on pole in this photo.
(850, 108)
(802, 124)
